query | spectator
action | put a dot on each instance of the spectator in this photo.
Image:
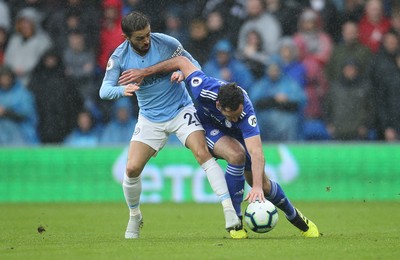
(217, 28)
(353, 11)
(57, 102)
(315, 47)
(199, 45)
(339, 4)
(129, 6)
(5, 20)
(18, 117)
(5, 24)
(232, 14)
(287, 13)
(156, 10)
(350, 47)
(373, 25)
(329, 17)
(225, 66)
(277, 100)
(349, 110)
(266, 24)
(73, 22)
(119, 129)
(385, 77)
(80, 63)
(74, 15)
(174, 25)
(42, 8)
(288, 59)
(85, 133)
(395, 21)
(253, 55)
(111, 32)
(27, 44)
(3, 43)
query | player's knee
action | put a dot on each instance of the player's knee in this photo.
(202, 155)
(236, 157)
(133, 170)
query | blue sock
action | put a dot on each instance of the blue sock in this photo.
(279, 199)
(235, 180)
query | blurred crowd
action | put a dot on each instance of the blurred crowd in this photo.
(314, 69)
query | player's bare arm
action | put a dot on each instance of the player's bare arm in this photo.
(254, 147)
(177, 63)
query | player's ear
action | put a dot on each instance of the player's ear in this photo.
(218, 105)
(125, 36)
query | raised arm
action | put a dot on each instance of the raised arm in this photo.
(177, 63)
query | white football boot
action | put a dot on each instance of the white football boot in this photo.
(134, 225)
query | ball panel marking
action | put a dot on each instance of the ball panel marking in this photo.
(261, 217)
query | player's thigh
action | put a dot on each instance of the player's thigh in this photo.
(230, 149)
(151, 133)
(139, 154)
(196, 142)
(185, 124)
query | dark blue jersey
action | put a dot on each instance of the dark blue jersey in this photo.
(205, 91)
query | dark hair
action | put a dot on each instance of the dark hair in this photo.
(230, 96)
(133, 22)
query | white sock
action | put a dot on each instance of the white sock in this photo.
(132, 189)
(216, 178)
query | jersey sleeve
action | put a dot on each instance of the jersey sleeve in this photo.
(203, 88)
(109, 88)
(177, 49)
(249, 126)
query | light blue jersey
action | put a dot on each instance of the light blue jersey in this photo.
(159, 99)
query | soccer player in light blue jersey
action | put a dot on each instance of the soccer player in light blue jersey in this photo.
(165, 108)
(232, 133)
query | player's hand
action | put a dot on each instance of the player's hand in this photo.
(177, 77)
(131, 76)
(130, 89)
(255, 194)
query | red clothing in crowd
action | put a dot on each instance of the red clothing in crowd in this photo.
(371, 33)
(110, 33)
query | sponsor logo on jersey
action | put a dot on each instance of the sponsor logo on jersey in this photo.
(110, 64)
(196, 81)
(252, 120)
(228, 124)
(214, 132)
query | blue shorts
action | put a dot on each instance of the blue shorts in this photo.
(213, 134)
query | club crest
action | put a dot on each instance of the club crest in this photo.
(196, 81)
(110, 64)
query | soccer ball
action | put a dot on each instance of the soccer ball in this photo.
(261, 217)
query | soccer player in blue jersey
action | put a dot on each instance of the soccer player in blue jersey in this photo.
(232, 133)
(165, 108)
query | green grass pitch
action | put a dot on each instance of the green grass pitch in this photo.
(351, 230)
